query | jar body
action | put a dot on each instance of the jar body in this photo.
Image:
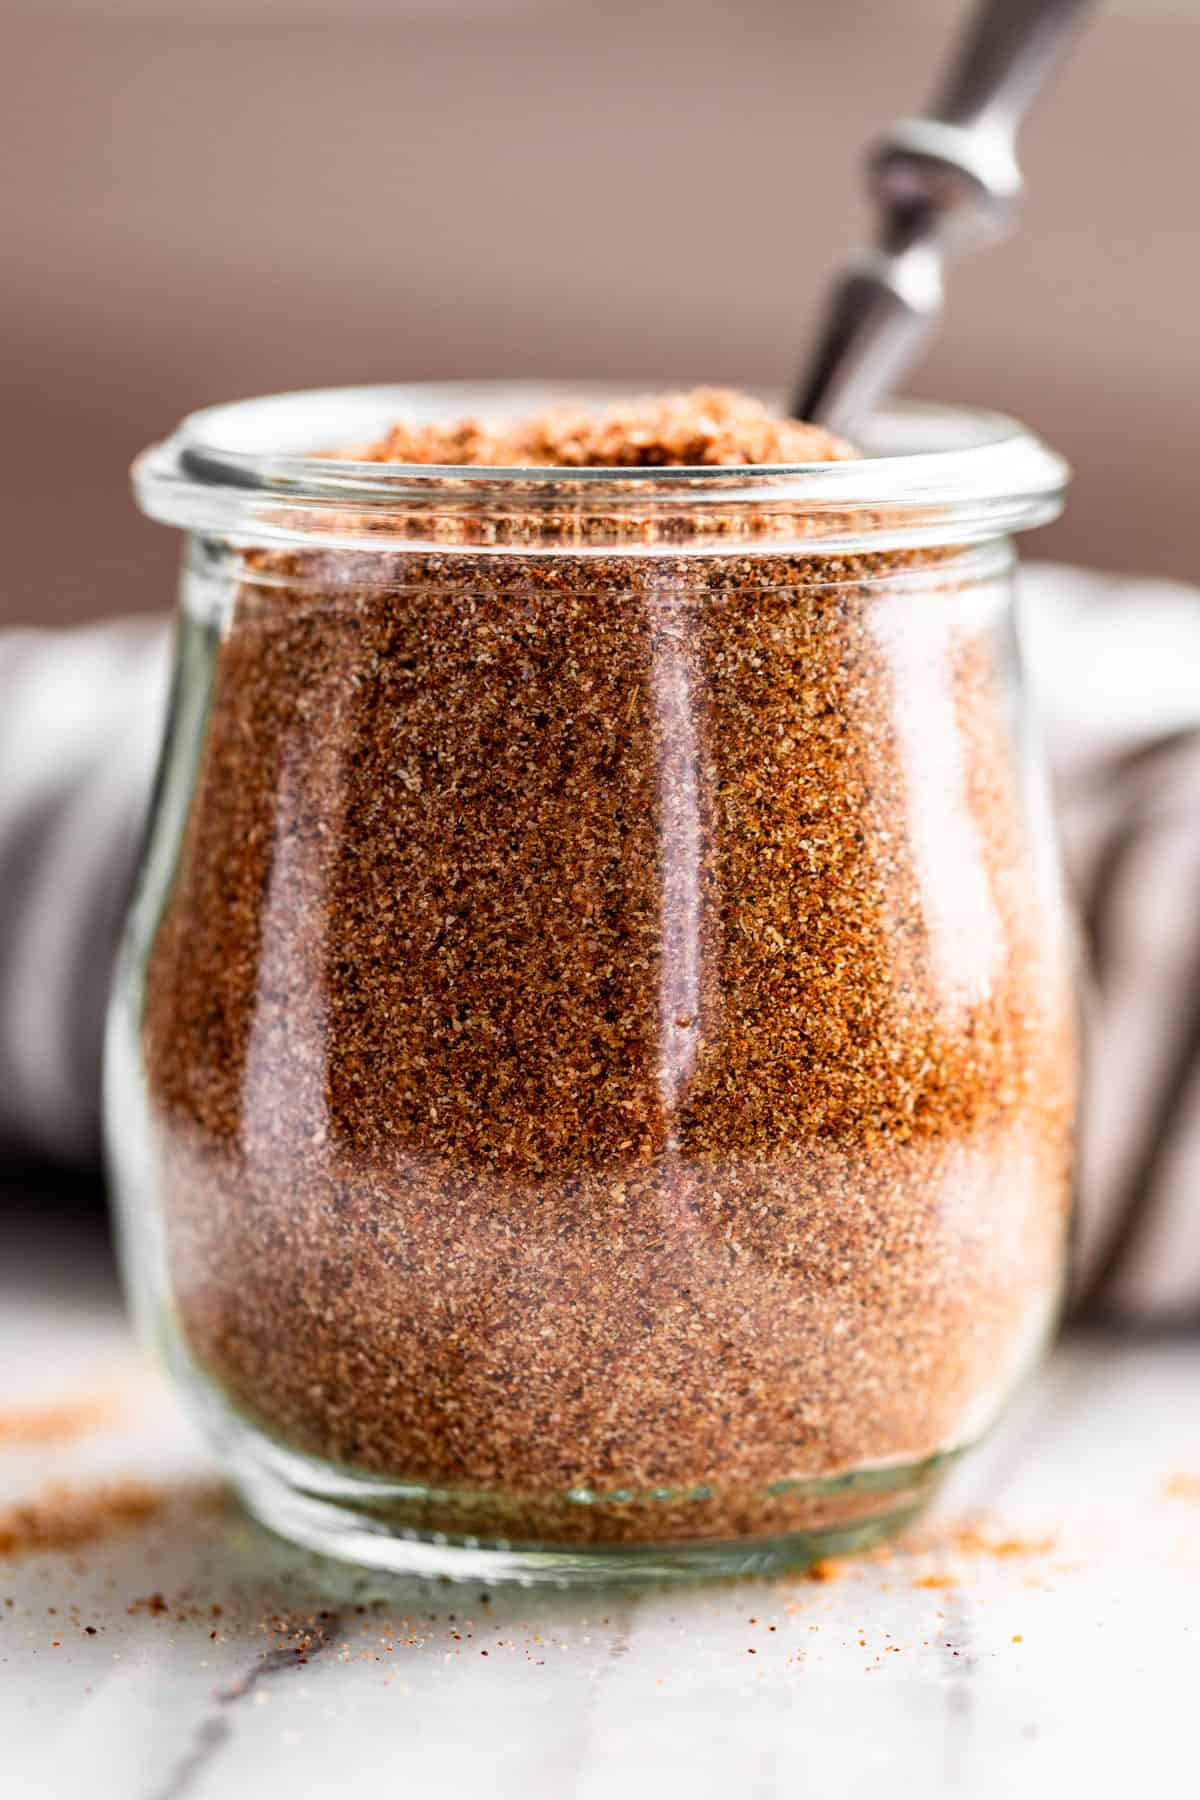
(592, 1069)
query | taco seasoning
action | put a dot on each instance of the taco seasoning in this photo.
(595, 1035)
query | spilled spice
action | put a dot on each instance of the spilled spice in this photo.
(66, 1518)
(967, 1540)
(34, 1427)
(966, 1537)
(826, 1568)
(610, 1057)
(154, 1604)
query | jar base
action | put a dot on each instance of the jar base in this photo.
(338, 1530)
(399, 1527)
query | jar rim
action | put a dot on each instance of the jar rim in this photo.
(247, 471)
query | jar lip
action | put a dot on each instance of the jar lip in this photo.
(246, 469)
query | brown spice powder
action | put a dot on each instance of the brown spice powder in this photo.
(572, 1090)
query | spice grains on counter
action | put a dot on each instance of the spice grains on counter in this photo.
(603, 1037)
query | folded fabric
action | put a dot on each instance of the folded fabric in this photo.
(80, 717)
(1112, 664)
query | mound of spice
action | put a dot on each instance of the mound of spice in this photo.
(710, 427)
(609, 1049)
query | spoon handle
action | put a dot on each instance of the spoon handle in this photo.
(941, 183)
(1006, 55)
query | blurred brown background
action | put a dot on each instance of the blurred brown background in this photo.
(221, 198)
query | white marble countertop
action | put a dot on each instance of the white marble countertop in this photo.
(155, 1645)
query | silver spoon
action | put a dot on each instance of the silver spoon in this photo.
(942, 183)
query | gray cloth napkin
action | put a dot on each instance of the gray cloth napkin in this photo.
(1114, 669)
(80, 717)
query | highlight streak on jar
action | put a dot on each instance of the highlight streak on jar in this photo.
(965, 934)
(681, 852)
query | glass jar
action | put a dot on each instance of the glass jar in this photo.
(592, 1064)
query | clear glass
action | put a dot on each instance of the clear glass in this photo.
(591, 1070)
